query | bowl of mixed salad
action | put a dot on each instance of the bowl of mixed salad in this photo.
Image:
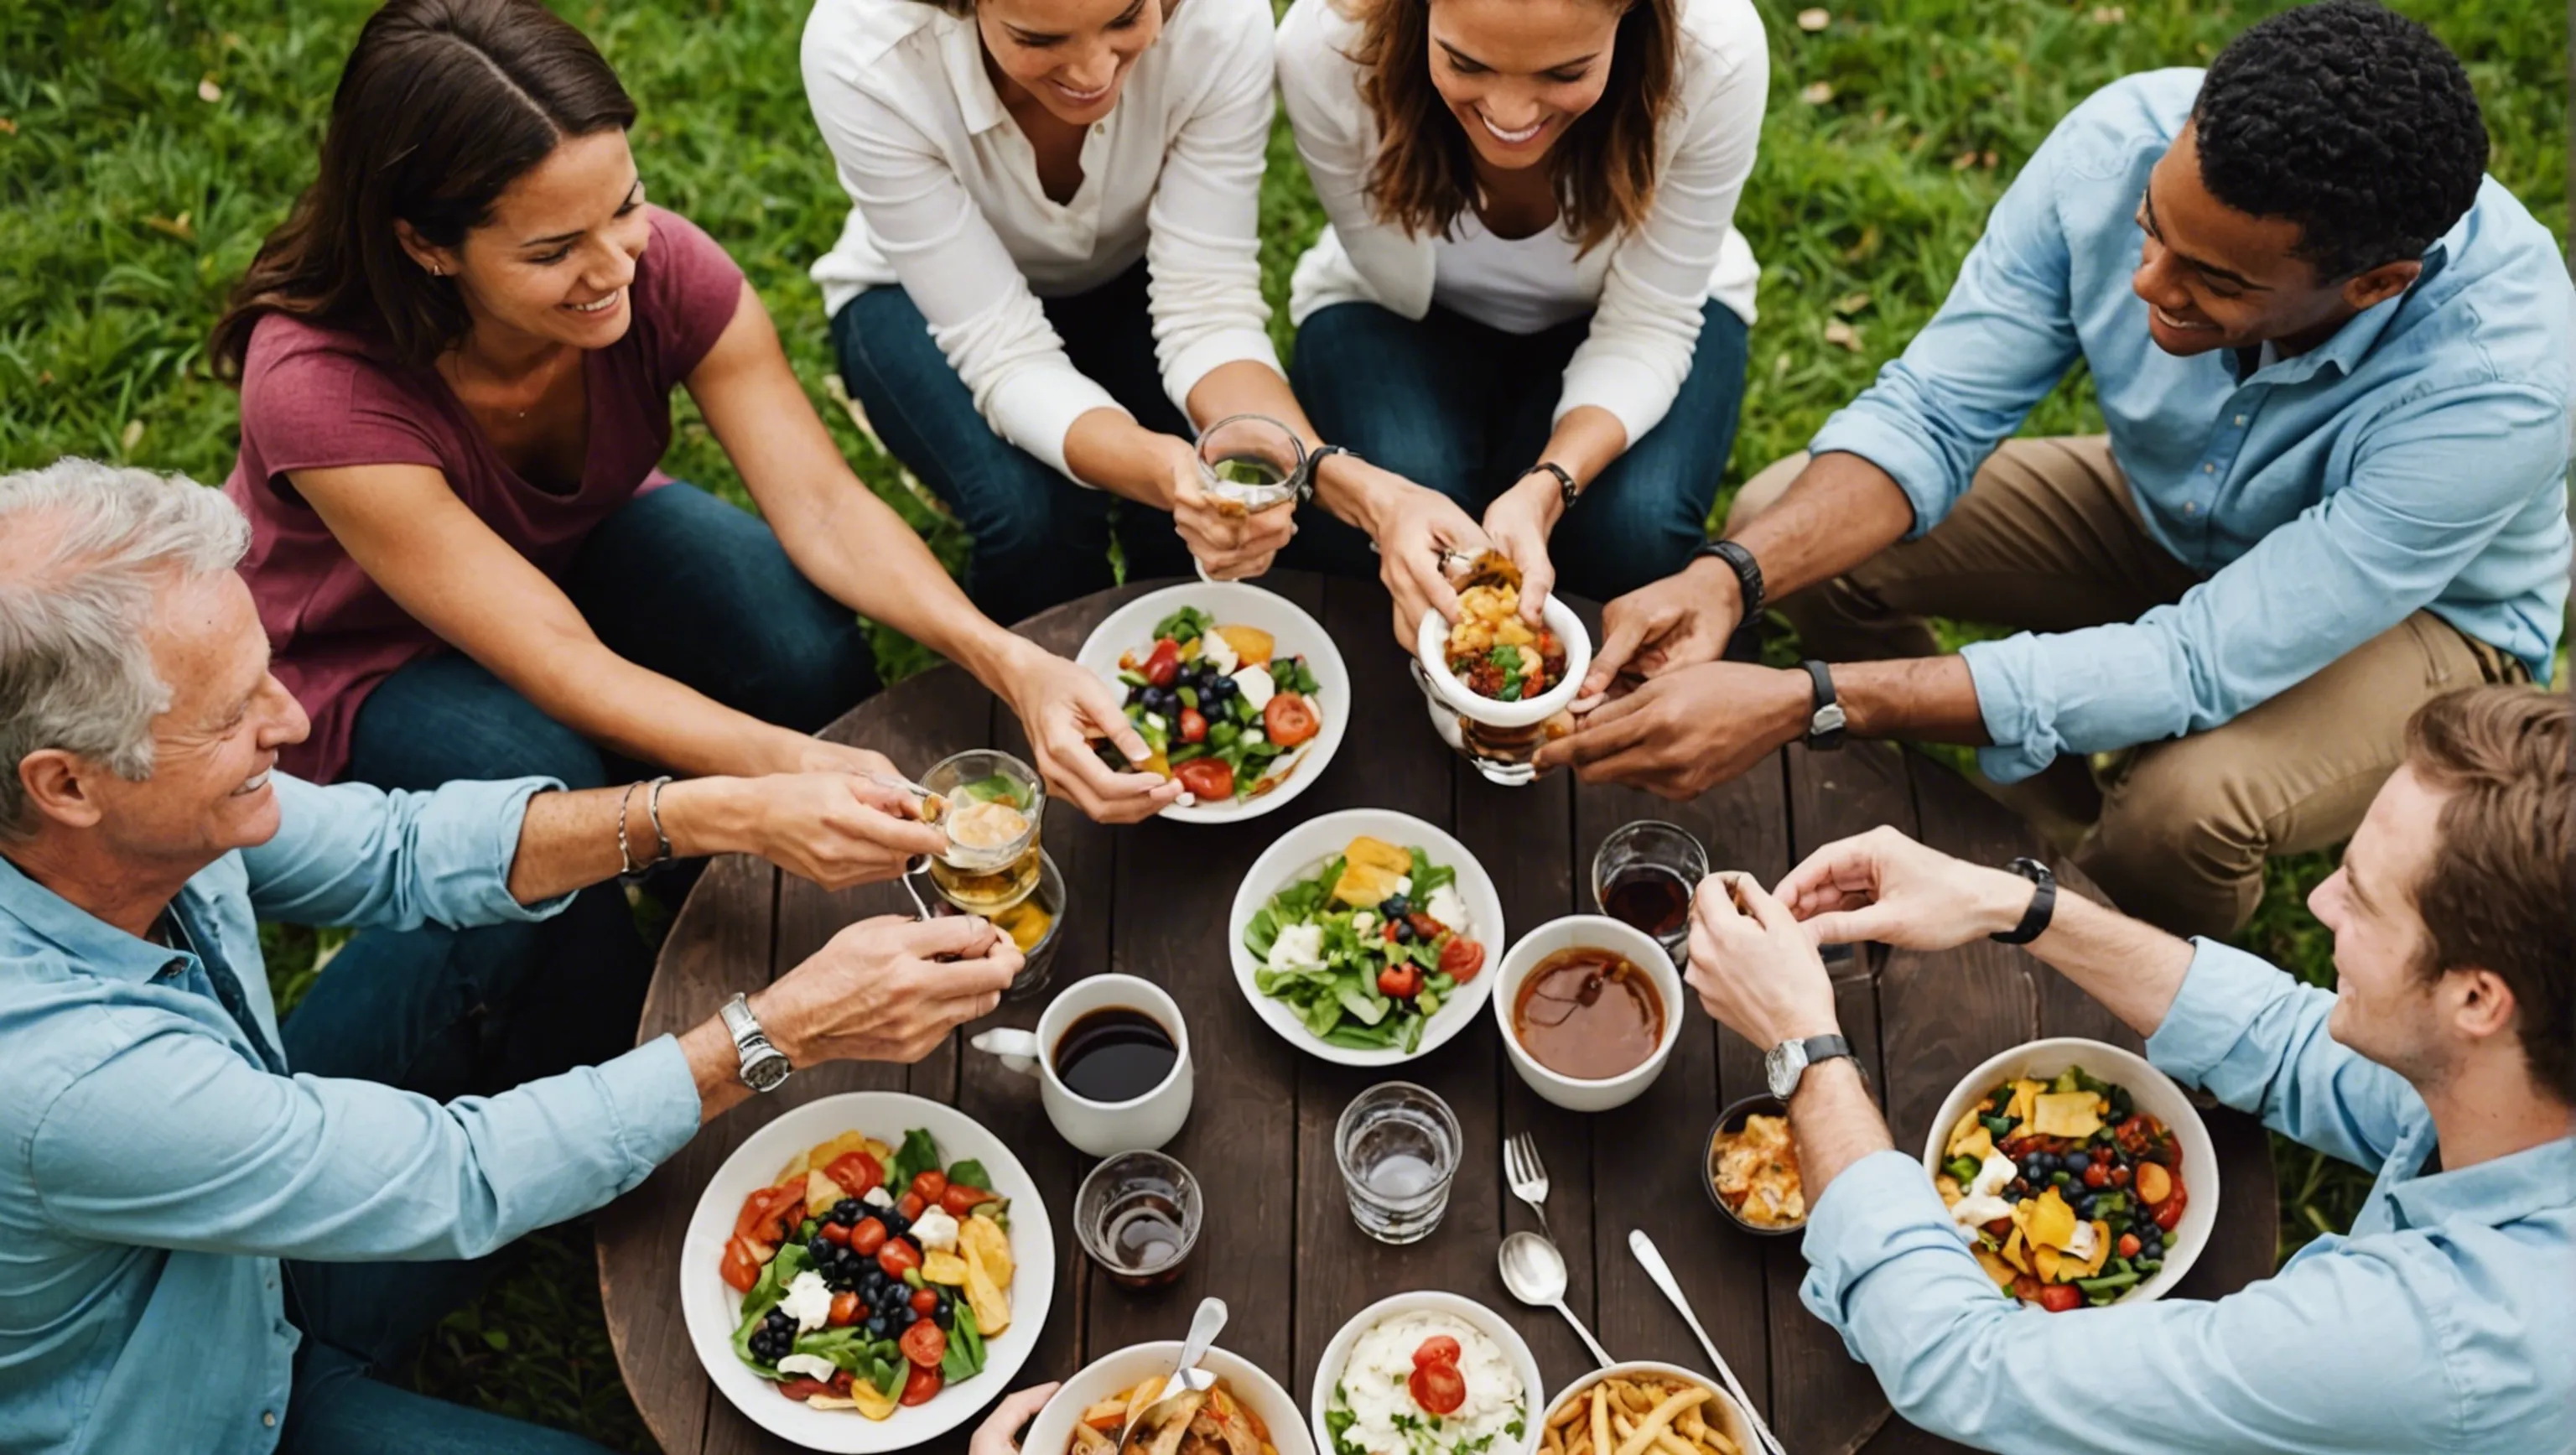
(1366, 937)
(1237, 692)
(1426, 1373)
(2078, 1174)
(866, 1271)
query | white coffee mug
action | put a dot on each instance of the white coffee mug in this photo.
(1139, 1124)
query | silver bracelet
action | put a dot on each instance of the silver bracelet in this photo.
(626, 865)
(653, 811)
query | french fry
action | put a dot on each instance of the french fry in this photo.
(1601, 1419)
(1659, 1417)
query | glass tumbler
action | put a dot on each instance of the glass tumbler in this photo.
(1137, 1216)
(1644, 875)
(1397, 1144)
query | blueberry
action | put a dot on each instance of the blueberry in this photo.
(2076, 1162)
(944, 1316)
(1392, 907)
(2037, 1166)
(848, 1211)
(2013, 1194)
(878, 1328)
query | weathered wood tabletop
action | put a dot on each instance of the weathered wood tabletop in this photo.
(1280, 1247)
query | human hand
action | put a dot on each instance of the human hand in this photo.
(833, 828)
(1680, 621)
(1681, 733)
(1230, 543)
(999, 1434)
(888, 989)
(1419, 531)
(1755, 968)
(1064, 710)
(815, 755)
(1519, 521)
(1885, 887)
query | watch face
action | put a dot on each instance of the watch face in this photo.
(1829, 719)
(765, 1072)
(1782, 1065)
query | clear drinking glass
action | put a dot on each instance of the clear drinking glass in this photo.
(1137, 1215)
(1397, 1144)
(1644, 875)
(983, 871)
(1250, 462)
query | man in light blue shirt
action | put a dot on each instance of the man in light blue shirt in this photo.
(2333, 359)
(201, 1250)
(2446, 1062)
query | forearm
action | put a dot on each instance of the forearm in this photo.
(1583, 444)
(1839, 512)
(640, 713)
(716, 1067)
(1834, 1122)
(2132, 967)
(863, 555)
(1108, 449)
(569, 841)
(1922, 699)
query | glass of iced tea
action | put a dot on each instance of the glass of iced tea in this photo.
(989, 804)
(1137, 1215)
(1644, 875)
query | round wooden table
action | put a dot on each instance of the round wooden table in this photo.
(1280, 1247)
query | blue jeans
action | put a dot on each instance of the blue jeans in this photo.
(1464, 409)
(1039, 538)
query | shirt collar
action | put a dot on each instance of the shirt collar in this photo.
(88, 941)
(961, 55)
(2494, 1192)
(2352, 343)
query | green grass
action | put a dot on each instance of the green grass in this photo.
(129, 202)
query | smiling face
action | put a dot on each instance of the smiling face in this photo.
(2385, 1007)
(553, 262)
(2216, 278)
(1516, 73)
(1071, 56)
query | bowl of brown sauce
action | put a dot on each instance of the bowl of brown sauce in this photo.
(1590, 1009)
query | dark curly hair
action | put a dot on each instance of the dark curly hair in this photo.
(2351, 121)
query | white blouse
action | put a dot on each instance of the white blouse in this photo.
(1645, 287)
(946, 200)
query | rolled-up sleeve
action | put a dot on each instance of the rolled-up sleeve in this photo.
(1203, 244)
(359, 856)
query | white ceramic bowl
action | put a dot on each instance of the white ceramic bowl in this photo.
(1516, 1350)
(1302, 851)
(1601, 932)
(1431, 641)
(713, 1310)
(2150, 1091)
(1131, 629)
(1721, 1409)
(1051, 1433)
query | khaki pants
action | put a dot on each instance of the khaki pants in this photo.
(2048, 540)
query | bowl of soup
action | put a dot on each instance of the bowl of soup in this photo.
(1591, 1009)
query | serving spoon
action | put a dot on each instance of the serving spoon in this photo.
(1187, 1377)
(1534, 1271)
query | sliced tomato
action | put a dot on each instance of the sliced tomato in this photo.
(2027, 1287)
(1461, 958)
(2169, 1212)
(867, 1237)
(768, 1213)
(845, 1310)
(922, 1385)
(1163, 664)
(833, 1233)
(741, 1270)
(960, 1199)
(1193, 725)
(925, 1343)
(2060, 1298)
(929, 1185)
(801, 1389)
(1289, 719)
(1424, 926)
(1399, 982)
(925, 1301)
(898, 1257)
(1207, 779)
(1438, 1349)
(856, 1172)
(1439, 1388)
(910, 1205)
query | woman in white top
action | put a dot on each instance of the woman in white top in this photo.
(1532, 297)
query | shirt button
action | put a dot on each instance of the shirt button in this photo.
(2240, 421)
(2209, 469)
(2190, 508)
(268, 1418)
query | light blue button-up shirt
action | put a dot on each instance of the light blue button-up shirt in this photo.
(157, 1161)
(2445, 1322)
(2417, 458)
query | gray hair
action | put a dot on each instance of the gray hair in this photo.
(85, 550)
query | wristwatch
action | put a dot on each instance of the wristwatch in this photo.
(764, 1066)
(1784, 1063)
(1825, 726)
(1314, 464)
(1567, 491)
(1748, 573)
(2043, 904)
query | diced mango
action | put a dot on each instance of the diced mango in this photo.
(2052, 1222)
(1370, 868)
(1978, 1144)
(2016, 1252)
(870, 1400)
(1251, 643)
(2101, 1249)
(821, 1192)
(1948, 1187)
(1968, 1122)
(2024, 1090)
(2155, 1184)
(1996, 1268)
(2067, 1114)
(2044, 1262)
(947, 1268)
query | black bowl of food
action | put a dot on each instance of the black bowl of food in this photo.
(1749, 1168)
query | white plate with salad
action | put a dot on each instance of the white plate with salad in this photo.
(1366, 937)
(934, 1229)
(1234, 679)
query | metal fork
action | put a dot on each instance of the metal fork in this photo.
(1527, 1176)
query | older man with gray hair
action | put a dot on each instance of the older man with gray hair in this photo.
(205, 1245)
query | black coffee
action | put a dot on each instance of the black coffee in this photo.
(1114, 1054)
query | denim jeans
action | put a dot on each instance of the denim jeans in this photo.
(1464, 409)
(676, 581)
(1039, 538)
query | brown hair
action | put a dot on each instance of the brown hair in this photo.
(1602, 169)
(2497, 896)
(443, 104)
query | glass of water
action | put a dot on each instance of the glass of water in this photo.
(1397, 1144)
(1250, 462)
(1137, 1215)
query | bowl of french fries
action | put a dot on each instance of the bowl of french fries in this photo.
(1645, 1408)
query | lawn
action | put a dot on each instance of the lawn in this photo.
(145, 148)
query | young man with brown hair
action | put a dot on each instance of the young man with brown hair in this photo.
(2446, 1060)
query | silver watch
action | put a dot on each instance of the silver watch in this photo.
(1784, 1064)
(764, 1066)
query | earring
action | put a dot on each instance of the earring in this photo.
(436, 271)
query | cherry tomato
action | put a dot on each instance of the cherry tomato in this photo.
(769, 1213)
(2102, 1155)
(1439, 1388)
(2026, 1287)
(1438, 1349)
(925, 1302)
(1193, 725)
(2119, 1176)
(1288, 720)
(1425, 927)
(922, 1385)
(1387, 933)
(1399, 982)
(1163, 664)
(833, 1233)
(867, 1237)
(856, 1172)
(898, 1257)
(959, 1199)
(740, 1270)
(2058, 1298)
(2129, 1245)
(2169, 1211)
(2096, 1175)
(1207, 779)
(801, 1389)
(925, 1343)
(910, 1205)
(845, 1310)
(1461, 958)
(929, 1185)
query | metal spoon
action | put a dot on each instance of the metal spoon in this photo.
(1534, 1271)
(1187, 1377)
(1662, 1273)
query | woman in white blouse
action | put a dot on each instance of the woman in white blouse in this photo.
(1532, 297)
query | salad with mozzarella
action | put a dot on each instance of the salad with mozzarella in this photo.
(870, 1275)
(1367, 948)
(1218, 708)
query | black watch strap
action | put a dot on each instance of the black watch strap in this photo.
(1566, 489)
(1825, 723)
(2043, 903)
(1748, 573)
(1314, 464)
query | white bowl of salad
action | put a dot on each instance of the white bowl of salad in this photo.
(1426, 1373)
(848, 1382)
(1238, 680)
(1366, 937)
